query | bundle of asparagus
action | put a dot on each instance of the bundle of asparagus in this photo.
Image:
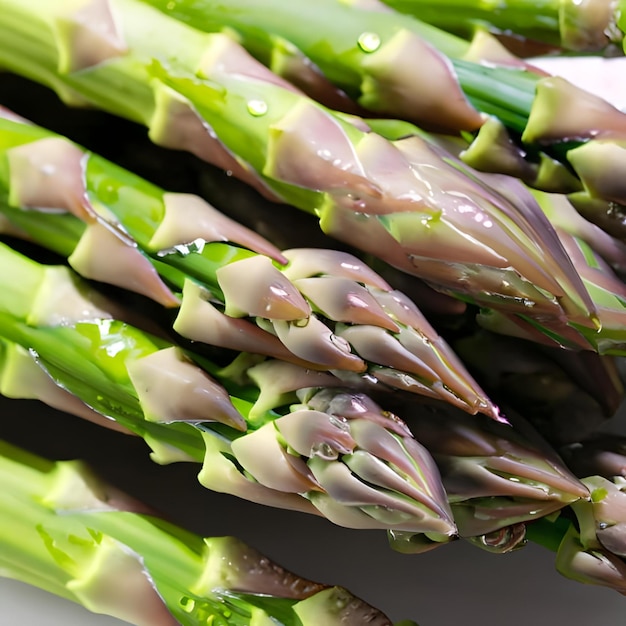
(356, 465)
(322, 309)
(402, 200)
(278, 411)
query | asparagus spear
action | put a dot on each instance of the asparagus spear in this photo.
(366, 52)
(496, 476)
(63, 529)
(343, 45)
(588, 26)
(336, 453)
(396, 199)
(320, 308)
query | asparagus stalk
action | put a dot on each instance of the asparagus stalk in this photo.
(63, 529)
(319, 308)
(336, 453)
(345, 45)
(589, 26)
(365, 52)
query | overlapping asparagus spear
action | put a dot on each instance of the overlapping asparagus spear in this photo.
(587, 26)
(495, 477)
(320, 308)
(65, 530)
(399, 200)
(597, 258)
(368, 51)
(335, 452)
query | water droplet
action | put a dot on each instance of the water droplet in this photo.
(340, 343)
(324, 451)
(369, 42)
(187, 604)
(339, 422)
(257, 107)
(602, 525)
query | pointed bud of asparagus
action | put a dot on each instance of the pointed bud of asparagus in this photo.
(171, 388)
(562, 111)
(107, 255)
(594, 554)
(609, 216)
(278, 380)
(600, 165)
(493, 474)
(359, 465)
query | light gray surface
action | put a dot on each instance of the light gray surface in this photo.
(455, 584)
(25, 605)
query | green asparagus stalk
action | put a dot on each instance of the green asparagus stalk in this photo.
(366, 49)
(587, 26)
(63, 529)
(396, 199)
(335, 453)
(319, 308)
